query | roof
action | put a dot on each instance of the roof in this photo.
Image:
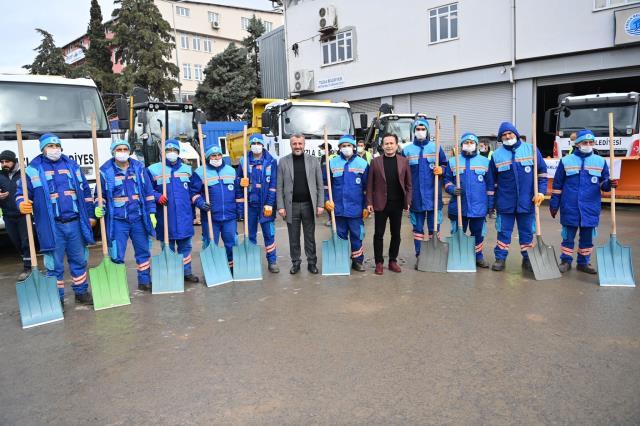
(46, 79)
(230, 4)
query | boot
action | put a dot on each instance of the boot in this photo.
(586, 269)
(481, 263)
(498, 265)
(357, 266)
(379, 269)
(273, 268)
(393, 266)
(526, 264)
(191, 279)
(144, 287)
(24, 274)
(84, 299)
(564, 267)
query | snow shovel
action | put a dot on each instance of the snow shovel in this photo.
(462, 247)
(213, 257)
(167, 271)
(336, 253)
(542, 256)
(433, 252)
(38, 297)
(615, 267)
(247, 256)
(109, 284)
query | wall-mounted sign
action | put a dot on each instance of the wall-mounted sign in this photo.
(74, 56)
(330, 83)
(627, 26)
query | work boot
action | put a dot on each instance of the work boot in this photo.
(498, 265)
(357, 266)
(294, 269)
(191, 279)
(379, 269)
(24, 274)
(313, 269)
(564, 267)
(144, 287)
(481, 263)
(84, 299)
(273, 268)
(393, 266)
(526, 265)
(586, 269)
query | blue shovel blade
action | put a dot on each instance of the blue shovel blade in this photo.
(167, 273)
(336, 256)
(215, 265)
(462, 253)
(615, 267)
(38, 300)
(247, 261)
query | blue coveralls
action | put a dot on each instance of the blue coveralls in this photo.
(576, 193)
(512, 170)
(226, 198)
(179, 207)
(422, 159)
(349, 184)
(62, 212)
(129, 201)
(262, 192)
(476, 198)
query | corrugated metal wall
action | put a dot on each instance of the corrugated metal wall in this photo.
(369, 106)
(273, 64)
(217, 131)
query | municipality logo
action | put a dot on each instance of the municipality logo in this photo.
(632, 25)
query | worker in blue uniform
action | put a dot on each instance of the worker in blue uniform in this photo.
(129, 207)
(348, 174)
(422, 160)
(62, 207)
(178, 202)
(578, 181)
(262, 171)
(226, 200)
(512, 169)
(476, 192)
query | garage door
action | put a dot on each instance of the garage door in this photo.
(480, 109)
(369, 106)
(592, 76)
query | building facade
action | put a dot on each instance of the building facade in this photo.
(485, 61)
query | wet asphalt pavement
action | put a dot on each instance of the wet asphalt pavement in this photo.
(409, 348)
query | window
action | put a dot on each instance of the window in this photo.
(214, 17)
(207, 44)
(338, 48)
(182, 11)
(267, 26)
(443, 23)
(244, 23)
(606, 4)
(196, 43)
(184, 41)
(197, 72)
(222, 143)
(186, 71)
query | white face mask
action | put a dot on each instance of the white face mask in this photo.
(469, 147)
(54, 154)
(172, 157)
(586, 149)
(321, 152)
(347, 151)
(360, 149)
(510, 142)
(256, 149)
(121, 156)
(216, 162)
(421, 135)
(484, 149)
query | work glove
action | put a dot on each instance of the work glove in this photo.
(329, 206)
(267, 211)
(614, 183)
(365, 213)
(553, 212)
(163, 200)
(457, 191)
(154, 221)
(244, 182)
(437, 170)
(99, 212)
(537, 199)
(92, 222)
(26, 207)
(205, 207)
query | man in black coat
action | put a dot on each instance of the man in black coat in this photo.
(14, 222)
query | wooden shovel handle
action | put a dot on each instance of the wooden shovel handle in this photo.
(96, 171)
(328, 168)
(25, 192)
(611, 167)
(206, 182)
(164, 189)
(457, 171)
(535, 171)
(245, 189)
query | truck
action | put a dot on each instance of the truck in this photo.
(52, 104)
(591, 111)
(399, 124)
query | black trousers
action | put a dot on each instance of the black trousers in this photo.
(16, 227)
(394, 215)
(302, 214)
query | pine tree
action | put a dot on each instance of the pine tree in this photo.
(49, 60)
(256, 29)
(143, 42)
(98, 56)
(229, 85)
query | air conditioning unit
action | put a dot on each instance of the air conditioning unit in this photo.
(328, 19)
(303, 81)
(215, 25)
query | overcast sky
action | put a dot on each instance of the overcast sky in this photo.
(65, 19)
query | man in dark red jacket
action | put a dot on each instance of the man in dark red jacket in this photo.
(388, 194)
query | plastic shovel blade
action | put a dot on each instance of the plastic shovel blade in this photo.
(109, 285)
(38, 300)
(615, 267)
(543, 261)
(247, 261)
(336, 256)
(215, 265)
(167, 273)
(462, 253)
(433, 256)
